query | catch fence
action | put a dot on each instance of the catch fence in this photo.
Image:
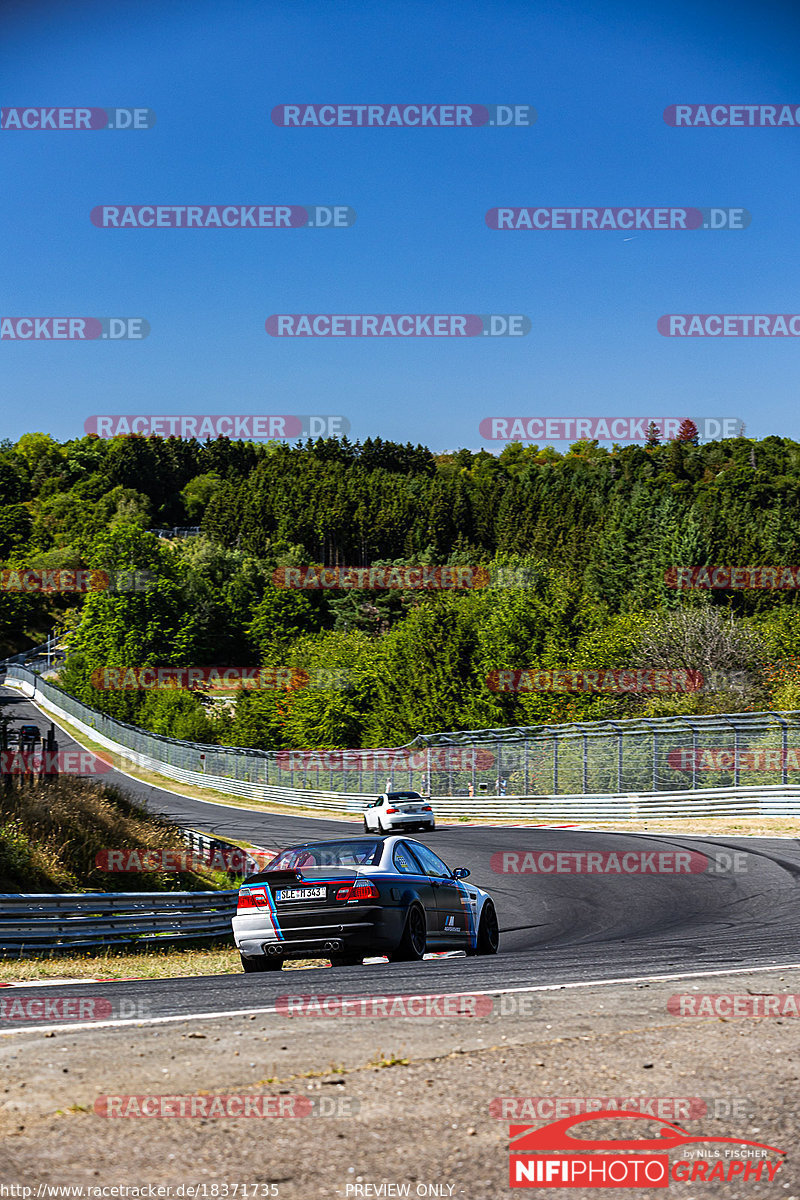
(658, 765)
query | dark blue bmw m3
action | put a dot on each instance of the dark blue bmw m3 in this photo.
(356, 897)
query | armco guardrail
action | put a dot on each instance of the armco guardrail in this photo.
(31, 923)
(601, 771)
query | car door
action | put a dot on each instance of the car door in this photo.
(452, 924)
(372, 814)
(406, 864)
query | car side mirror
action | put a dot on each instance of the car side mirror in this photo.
(460, 873)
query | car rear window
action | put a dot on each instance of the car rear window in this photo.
(361, 852)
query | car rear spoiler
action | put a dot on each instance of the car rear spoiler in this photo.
(279, 878)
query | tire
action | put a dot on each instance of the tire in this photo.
(366, 826)
(347, 960)
(263, 962)
(488, 931)
(412, 944)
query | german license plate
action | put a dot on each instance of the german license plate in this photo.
(303, 893)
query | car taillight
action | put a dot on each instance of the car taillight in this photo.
(427, 808)
(388, 810)
(365, 890)
(251, 900)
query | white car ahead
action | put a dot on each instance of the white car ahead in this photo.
(393, 812)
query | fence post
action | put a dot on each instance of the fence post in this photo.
(555, 764)
(655, 761)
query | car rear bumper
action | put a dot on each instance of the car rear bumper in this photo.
(409, 819)
(316, 932)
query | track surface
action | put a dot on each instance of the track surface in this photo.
(555, 929)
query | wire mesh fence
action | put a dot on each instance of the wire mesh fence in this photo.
(665, 754)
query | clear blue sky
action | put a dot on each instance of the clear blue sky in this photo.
(599, 75)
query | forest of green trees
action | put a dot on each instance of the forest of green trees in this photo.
(594, 531)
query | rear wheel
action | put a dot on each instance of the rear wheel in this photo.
(263, 962)
(488, 931)
(366, 826)
(347, 960)
(412, 943)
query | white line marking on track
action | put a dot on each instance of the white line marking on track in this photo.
(270, 1010)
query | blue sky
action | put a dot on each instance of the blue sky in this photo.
(599, 75)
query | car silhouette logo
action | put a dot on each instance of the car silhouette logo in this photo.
(557, 1136)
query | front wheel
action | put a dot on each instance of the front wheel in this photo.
(262, 962)
(412, 943)
(488, 931)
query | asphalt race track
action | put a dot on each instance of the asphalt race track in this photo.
(555, 928)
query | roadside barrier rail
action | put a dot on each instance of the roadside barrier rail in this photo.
(32, 923)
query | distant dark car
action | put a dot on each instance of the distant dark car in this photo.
(357, 897)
